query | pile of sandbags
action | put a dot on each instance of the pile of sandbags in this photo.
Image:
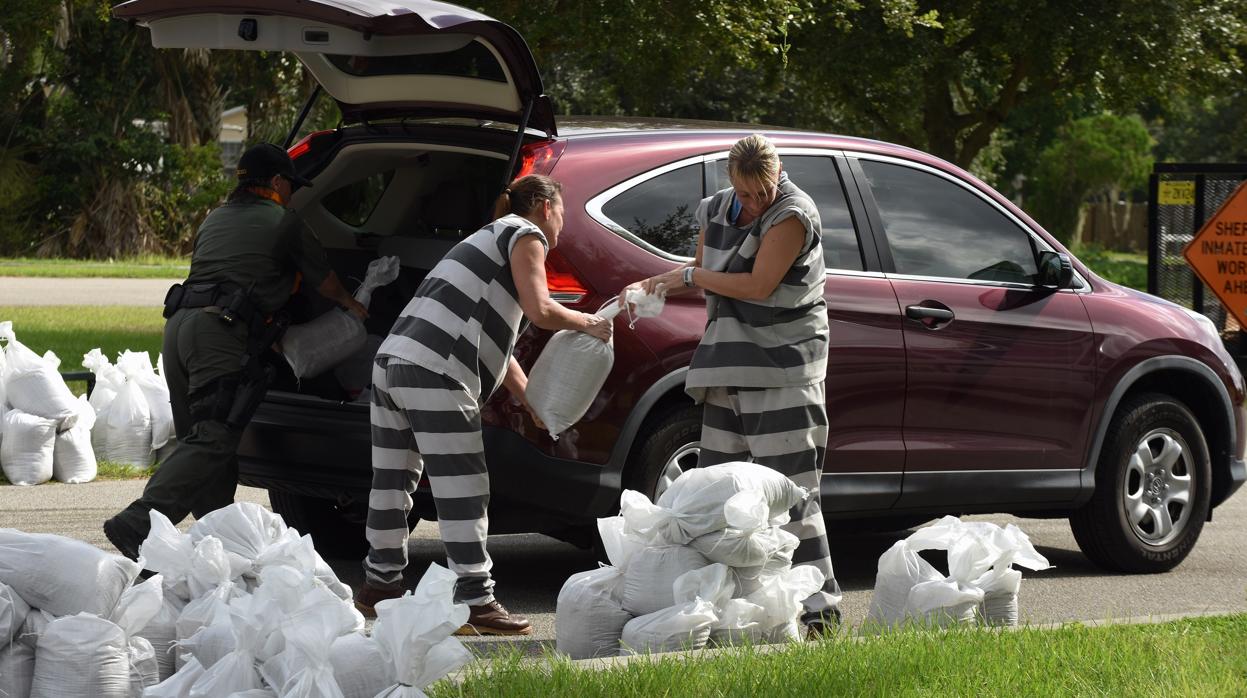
(131, 401)
(707, 563)
(44, 431)
(239, 605)
(981, 586)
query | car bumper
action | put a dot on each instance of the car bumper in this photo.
(1238, 475)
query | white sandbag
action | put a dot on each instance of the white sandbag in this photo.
(210, 590)
(161, 632)
(942, 603)
(237, 670)
(144, 669)
(291, 549)
(36, 623)
(123, 430)
(336, 336)
(137, 367)
(169, 552)
(1000, 596)
(589, 615)
(26, 453)
(414, 634)
(683, 627)
(781, 596)
(696, 502)
(255, 693)
(210, 644)
(639, 304)
(83, 656)
(177, 685)
(32, 383)
(900, 570)
(746, 549)
(73, 458)
(61, 575)
(304, 669)
(138, 605)
(358, 666)
(285, 592)
(652, 571)
(739, 623)
(17, 670)
(618, 542)
(13, 611)
(107, 379)
(569, 374)
(322, 343)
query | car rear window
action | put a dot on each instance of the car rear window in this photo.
(472, 61)
(661, 210)
(353, 204)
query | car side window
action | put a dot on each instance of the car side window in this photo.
(937, 228)
(354, 203)
(661, 210)
(816, 175)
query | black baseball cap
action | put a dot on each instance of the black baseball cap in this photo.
(264, 161)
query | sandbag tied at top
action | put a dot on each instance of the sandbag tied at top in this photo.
(63, 576)
(414, 633)
(73, 458)
(33, 383)
(137, 366)
(27, 448)
(313, 347)
(696, 503)
(13, 610)
(569, 374)
(82, 656)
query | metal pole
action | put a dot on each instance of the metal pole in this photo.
(1153, 234)
(307, 108)
(1197, 286)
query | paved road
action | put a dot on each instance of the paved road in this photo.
(530, 569)
(38, 291)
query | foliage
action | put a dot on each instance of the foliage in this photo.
(73, 330)
(1095, 157)
(1127, 269)
(148, 267)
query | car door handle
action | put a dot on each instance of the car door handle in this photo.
(929, 316)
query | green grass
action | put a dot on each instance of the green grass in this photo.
(1125, 268)
(110, 471)
(149, 267)
(1197, 657)
(72, 331)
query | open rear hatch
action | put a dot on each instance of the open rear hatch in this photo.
(378, 59)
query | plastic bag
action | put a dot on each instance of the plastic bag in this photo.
(740, 622)
(358, 666)
(107, 379)
(1000, 596)
(942, 602)
(748, 541)
(32, 383)
(414, 634)
(123, 430)
(569, 374)
(781, 596)
(82, 655)
(17, 669)
(63, 576)
(179, 684)
(334, 337)
(137, 366)
(644, 305)
(28, 447)
(304, 669)
(170, 552)
(73, 458)
(236, 671)
(683, 627)
(589, 614)
(13, 611)
(651, 574)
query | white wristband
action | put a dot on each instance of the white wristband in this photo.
(688, 277)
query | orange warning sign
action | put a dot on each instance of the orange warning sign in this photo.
(1218, 254)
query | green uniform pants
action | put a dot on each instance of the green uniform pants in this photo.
(201, 473)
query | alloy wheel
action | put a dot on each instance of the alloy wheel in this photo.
(1156, 491)
(684, 458)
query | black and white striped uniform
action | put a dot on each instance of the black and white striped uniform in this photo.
(446, 354)
(761, 364)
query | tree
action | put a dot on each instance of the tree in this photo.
(946, 76)
(1092, 158)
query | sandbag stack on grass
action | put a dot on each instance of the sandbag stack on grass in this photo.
(35, 405)
(709, 560)
(133, 415)
(981, 585)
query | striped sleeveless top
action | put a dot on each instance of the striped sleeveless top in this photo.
(777, 342)
(465, 316)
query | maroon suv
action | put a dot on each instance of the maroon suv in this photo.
(975, 366)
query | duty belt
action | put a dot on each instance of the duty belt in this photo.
(232, 301)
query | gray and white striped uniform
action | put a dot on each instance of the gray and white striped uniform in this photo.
(446, 354)
(761, 364)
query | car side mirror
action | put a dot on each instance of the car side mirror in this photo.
(1056, 271)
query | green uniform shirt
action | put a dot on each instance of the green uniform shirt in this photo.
(256, 240)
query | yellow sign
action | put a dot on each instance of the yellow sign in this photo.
(1218, 254)
(1177, 193)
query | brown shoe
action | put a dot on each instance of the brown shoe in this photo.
(367, 598)
(494, 619)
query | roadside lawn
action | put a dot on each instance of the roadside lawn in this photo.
(151, 267)
(1125, 268)
(1196, 657)
(73, 330)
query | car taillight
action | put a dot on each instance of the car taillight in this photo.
(539, 157)
(561, 279)
(300, 149)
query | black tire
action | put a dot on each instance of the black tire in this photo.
(1138, 541)
(337, 531)
(664, 436)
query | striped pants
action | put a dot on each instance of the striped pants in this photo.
(784, 429)
(421, 418)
